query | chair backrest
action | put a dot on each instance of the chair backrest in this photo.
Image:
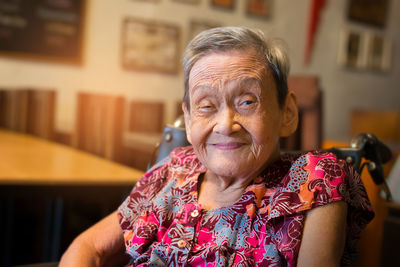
(41, 110)
(308, 135)
(28, 111)
(13, 109)
(99, 124)
(145, 124)
(146, 116)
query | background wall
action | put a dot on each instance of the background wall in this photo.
(101, 70)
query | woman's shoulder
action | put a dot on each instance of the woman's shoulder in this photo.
(317, 178)
(316, 164)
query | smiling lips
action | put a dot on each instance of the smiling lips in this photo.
(228, 146)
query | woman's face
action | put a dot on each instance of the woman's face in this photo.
(235, 121)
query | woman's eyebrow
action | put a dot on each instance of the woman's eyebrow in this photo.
(203, 86)
(201, 90)
(249, 80)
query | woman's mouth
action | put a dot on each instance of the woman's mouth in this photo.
(228, 146)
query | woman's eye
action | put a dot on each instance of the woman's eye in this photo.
(248, 102)
(205, 106)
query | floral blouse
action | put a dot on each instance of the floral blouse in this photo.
(164, 225)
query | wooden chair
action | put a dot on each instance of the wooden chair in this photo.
(99, 125)
(13, 109)
(308, 134)
(2, 107)
(146, 116)
(41, 110)
(146, 122)
(28, 111)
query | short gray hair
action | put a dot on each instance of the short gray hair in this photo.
(221, 39)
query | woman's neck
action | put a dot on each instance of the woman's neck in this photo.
(218, 192)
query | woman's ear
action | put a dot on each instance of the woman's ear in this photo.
(290, 116)
(186, 114)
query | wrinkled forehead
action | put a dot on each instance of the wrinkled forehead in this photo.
(223, 67)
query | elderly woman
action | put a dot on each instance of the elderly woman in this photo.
(231, 199)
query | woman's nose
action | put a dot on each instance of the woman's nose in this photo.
(226, 122)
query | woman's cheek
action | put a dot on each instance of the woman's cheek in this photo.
(199, 131)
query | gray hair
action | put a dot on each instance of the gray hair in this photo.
(222, 39)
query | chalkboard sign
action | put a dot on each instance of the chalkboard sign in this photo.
(42, 29)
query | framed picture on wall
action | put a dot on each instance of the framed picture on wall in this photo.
(379, 50)
(365, 50)
(193, 2)
(372, 12)
(151, 1)
(227, 4)
(259, 8)
(197, 26)
(34, 30)
(352, 49)
(150, 46)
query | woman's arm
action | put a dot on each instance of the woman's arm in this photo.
(100, 245)
(324, 236)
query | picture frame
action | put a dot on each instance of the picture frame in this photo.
(352, 49)
(197, 26)
(379, 52)
(258, 8)
(371, 12)
(191, 2)
(225, 4)
(150, 1)
(149, 45)
(40, 35)
(365, 50)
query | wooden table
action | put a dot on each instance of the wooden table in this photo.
(49, 193)
(29, 160)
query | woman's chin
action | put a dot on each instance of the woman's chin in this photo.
(226, 167)
(233, 163)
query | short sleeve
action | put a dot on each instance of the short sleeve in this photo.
(316, 179)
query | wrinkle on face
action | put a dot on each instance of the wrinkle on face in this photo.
(211, 75)
(219, 84)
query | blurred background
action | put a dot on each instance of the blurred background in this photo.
(105, 77)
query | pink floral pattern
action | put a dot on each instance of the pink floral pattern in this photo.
(163, 224)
